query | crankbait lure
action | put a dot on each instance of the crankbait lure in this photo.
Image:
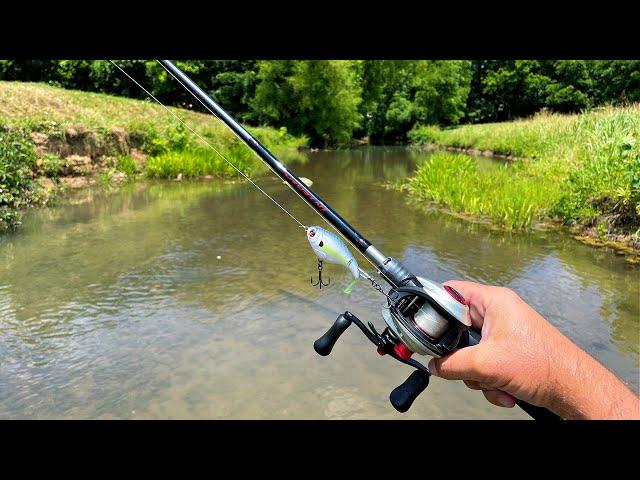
(329, 248)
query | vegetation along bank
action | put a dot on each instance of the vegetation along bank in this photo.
(52, 139)
(578, 170)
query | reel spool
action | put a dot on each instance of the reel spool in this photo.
(429, 320)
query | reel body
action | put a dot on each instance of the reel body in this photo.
(429, 319)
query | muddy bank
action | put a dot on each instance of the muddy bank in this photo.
(77, 156)
(474, 152)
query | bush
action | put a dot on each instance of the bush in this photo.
(17, 188)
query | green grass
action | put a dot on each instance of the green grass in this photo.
(190, 163)
(506, 194)
(127, 165)
(36, 106)
(579, 169)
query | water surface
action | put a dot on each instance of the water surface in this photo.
(118, 307)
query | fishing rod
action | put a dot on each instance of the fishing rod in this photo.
(422, 316)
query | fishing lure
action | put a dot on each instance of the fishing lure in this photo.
(329, 248)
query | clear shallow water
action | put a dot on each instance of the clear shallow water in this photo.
(117, 307)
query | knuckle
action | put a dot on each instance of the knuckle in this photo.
(508, 293)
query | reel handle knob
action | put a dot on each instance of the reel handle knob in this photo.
(403, 395)
(325, 343)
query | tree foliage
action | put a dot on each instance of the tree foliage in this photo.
(333, 101)
(508, 89)
(318, 98)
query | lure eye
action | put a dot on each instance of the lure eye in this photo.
(312, 233)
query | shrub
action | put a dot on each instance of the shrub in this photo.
(17, 188)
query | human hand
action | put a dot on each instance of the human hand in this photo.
(523, 356)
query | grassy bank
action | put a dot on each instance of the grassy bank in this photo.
(51, 138)
(580, 170)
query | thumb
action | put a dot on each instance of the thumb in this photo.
(462, 364)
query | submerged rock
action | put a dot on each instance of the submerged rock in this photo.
(118, 177)
(306, 181)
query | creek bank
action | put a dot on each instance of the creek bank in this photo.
(77, 156)
(52, 140)
(474, 152)
(579, 171)
(516, 201)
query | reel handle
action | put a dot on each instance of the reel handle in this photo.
(403, 395)
(325, 343)
(473, 337)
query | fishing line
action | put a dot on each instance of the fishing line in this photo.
(209, 145)
(374, 284)
(293, 189)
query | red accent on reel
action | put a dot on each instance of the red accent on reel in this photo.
(402, 351)
(455, 294)
(380, 351)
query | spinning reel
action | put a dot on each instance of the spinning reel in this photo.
(422, 317)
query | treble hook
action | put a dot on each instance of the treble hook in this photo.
(320, 282)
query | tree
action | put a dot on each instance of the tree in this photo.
(387, 106)
(274, 101)
(318, 98)
(616, 81)
(397, 94)
(328, 98)
(441, 90)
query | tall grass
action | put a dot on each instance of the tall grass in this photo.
(587, 165)
(506, 195)
(195, 158)
(199, 161)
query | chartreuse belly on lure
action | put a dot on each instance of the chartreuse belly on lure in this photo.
(329, 248)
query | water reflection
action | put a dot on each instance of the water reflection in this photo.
(119, 307)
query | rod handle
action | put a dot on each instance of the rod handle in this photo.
(325, 343)
(403, 395)
(472, 337)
